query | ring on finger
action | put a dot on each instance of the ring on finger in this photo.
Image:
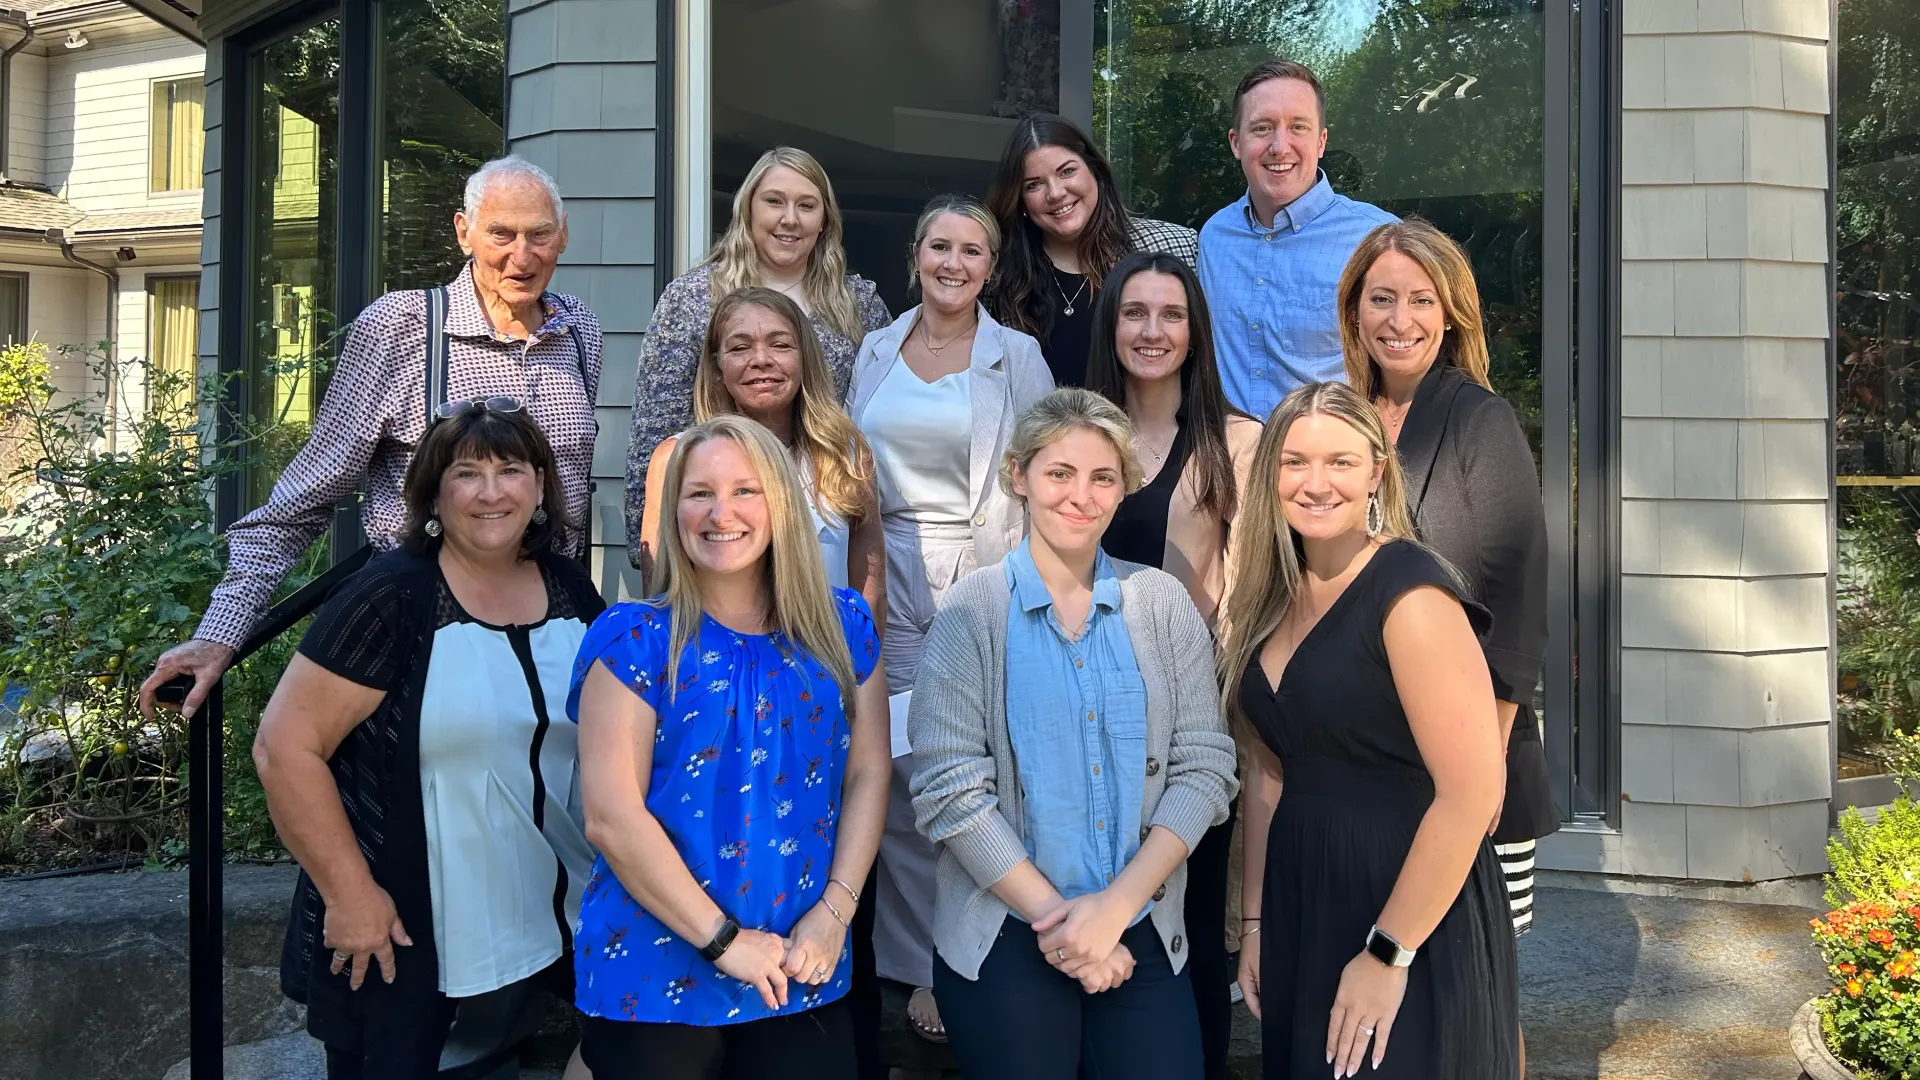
(342, 957)
(1060, 954)
(1367, 1031)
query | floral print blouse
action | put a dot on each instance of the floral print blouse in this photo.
(663, 382)
(748, 759)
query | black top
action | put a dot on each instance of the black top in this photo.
(1357, 789)
(1475, 499)
(377, 630)
(1138, 532)
(1066, 346)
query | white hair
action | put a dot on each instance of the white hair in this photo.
(513, 166)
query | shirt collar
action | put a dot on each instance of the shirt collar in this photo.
(1031, 594)
(1297, 214)
(466, 318)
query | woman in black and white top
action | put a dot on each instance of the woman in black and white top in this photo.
(413, 766)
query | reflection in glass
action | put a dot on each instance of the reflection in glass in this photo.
(442, 115)
(1877, 399)
(294, 191)
(1434, 109)
(896, 103)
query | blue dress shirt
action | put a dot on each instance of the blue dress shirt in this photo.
(1077, 717)
(1272, 292)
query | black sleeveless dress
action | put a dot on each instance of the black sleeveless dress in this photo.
(1355, 792)
(1138, 531)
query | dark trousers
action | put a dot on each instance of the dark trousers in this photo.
(1209, 964)
(412, 1043)
(863, 996)
(1023, 1020)
(813, 1045)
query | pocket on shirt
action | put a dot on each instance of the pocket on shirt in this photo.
(1312, 328)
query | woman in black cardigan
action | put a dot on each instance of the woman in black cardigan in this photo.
(1416, 347)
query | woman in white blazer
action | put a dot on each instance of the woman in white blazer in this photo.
(936, 394)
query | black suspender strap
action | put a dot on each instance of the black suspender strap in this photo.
(436, 350)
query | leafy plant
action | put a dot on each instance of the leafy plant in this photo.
(1871, 1017)
(1873, 860)
(1879, 655)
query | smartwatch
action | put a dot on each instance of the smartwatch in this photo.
(715, 949)
(1382, 947)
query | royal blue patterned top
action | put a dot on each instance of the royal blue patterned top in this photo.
(747, 765)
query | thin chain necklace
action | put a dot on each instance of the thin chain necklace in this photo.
(926, 336)
(1071, 300)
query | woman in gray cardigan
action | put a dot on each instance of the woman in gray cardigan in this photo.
(1070, 750)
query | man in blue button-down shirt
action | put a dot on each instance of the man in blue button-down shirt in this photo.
(1271, 262)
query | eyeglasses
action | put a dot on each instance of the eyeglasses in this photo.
(451, 409)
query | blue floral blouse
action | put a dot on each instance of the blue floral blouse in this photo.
(747, 765)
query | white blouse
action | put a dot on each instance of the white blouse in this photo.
(836, 536)
(921, 433)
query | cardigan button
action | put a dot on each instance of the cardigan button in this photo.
(979, 520)
(1160, 893)
(1144, 831)
(1176, 943)
(1153, 766)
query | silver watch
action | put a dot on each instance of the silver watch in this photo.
(1382, 947)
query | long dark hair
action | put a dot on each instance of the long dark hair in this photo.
(1201, 395)
(1024, 295)
(486, 435)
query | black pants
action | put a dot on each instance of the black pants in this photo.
(411, 1044)
(1023, 1020)
(1209, 964)
(863, 996)
(813, 1045)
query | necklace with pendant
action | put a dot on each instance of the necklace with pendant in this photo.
(1070, 300)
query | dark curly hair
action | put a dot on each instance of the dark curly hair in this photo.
(1024, 296)
(487, 435)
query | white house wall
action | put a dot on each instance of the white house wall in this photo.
(27, 109)
(98, 115)
(67, 307)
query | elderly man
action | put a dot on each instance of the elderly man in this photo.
(506, 336)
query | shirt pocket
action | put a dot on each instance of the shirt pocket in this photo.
(1311, 326)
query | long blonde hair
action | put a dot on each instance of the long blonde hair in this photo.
(736, 264)
(842, 464)
(1268, 567)
(803, 607)
(1465, 343)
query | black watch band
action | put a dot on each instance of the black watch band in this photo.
(715, 949)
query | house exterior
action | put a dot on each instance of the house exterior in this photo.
(1647, 188)
(100, 201)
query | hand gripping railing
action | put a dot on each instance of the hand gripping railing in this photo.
(206, 839)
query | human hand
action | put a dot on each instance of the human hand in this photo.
(1083, 932)
(1363, 1008)
(813, 951)
(205, 660)
(754, 958)
(1104, 976)
(362, 927)
(1249, 975)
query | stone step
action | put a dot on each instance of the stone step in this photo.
(299, 1057)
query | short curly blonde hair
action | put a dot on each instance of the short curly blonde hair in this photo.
(1061, 412)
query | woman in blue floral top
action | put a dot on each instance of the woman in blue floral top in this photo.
(734, 765)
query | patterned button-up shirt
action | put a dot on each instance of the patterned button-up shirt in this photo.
(374, 413)
(1272, 292)
(663, 383)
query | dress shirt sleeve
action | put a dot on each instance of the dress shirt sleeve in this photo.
(1510, 541)
(352, 420)
(1200, 762)
(956, 780)
(663, 387)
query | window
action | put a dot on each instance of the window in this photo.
(179, 135)
(173, 339)
(13, 308)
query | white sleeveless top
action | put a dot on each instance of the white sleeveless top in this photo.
(836, 537)
(921, 434)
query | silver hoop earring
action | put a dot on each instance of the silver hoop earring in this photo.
(1375, 517)
(432, 527)
(539, 515)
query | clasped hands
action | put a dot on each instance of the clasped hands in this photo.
(768, 961)
(1081, 939)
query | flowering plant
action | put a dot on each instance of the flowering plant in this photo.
(1872, 1015)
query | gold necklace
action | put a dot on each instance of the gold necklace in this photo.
(926, 336)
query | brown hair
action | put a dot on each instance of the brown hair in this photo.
(1024, 294)
(1269, 70)
(1464, 345)
(842, 466)
(482, 434)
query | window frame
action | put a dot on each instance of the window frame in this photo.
(154, 148)
(26, 286)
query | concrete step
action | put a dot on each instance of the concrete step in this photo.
(299, 1056)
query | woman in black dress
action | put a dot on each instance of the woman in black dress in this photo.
(1352, 651)
(1153, 355)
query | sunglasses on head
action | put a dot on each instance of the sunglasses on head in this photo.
(451, 409)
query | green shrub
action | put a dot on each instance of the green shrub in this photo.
(1870, 942)
(1875, 860)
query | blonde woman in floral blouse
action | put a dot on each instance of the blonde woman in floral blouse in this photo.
(785, 236)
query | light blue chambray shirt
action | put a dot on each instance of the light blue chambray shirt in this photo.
(1271, 292)
(1077, 718)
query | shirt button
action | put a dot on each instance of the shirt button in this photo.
(1153, 767)
(1089, 718)
(979, 520)
(1096, 770)
(1269, 236)
(1256, 326)
(1259, 281)
(1077, 662)
(1259, 373)
(1100, 825)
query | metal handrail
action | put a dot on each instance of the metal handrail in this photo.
(206, 834)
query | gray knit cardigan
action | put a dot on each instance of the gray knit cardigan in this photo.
(957, 722)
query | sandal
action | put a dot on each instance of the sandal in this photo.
(933, 1031)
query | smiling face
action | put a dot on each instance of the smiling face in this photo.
(1278, 140)
(759, 360)
(1151, 333)
(723, 516)
(485, 504)
(1072, 487)
(789, 214)
(1058, 191)
(1326, 472)
(515, 241)
(1402, 321)
(953, 262)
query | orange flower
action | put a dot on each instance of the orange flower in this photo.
(1845, 969)
(1854, 987)
(1880, 936)
(1900, 969)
